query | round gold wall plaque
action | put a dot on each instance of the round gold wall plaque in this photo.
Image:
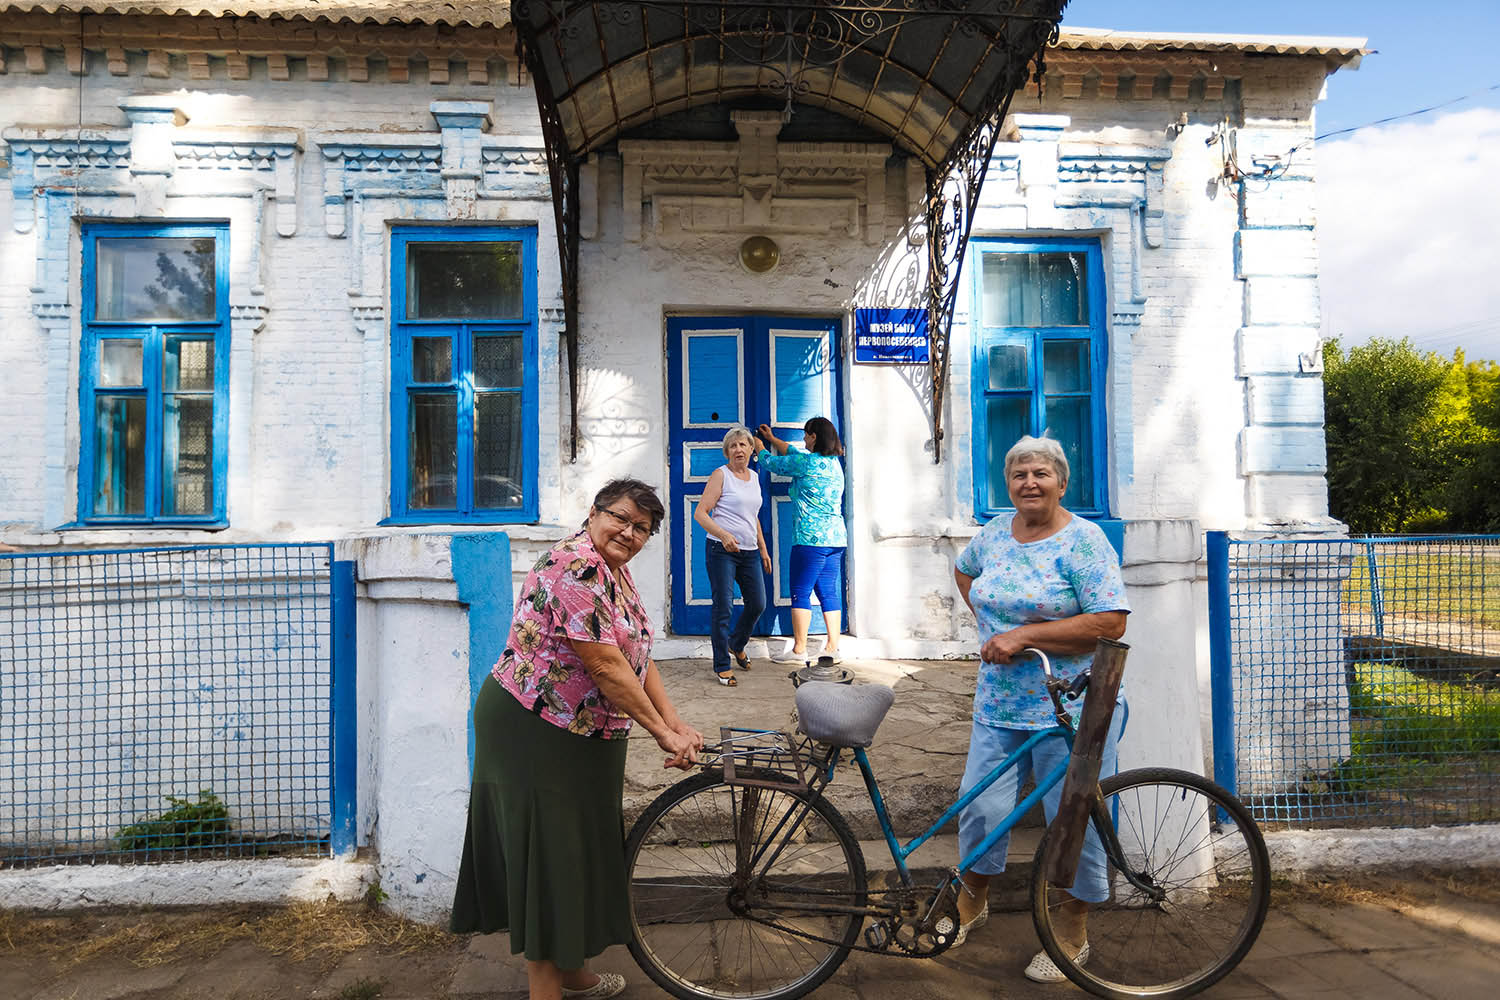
(759, 254)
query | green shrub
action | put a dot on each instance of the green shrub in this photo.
(204, 823)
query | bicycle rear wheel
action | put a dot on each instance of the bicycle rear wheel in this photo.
(1208, 879)
(715, 916)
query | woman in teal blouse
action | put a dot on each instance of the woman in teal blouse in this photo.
(820, 539)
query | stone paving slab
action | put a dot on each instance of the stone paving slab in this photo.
(918, 754)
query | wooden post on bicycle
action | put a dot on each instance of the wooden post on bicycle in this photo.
(1066, 833)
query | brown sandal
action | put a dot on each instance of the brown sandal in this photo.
(727, 678)
(740, 659)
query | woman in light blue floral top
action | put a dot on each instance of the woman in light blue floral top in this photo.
(820, 538)
(1040, 577)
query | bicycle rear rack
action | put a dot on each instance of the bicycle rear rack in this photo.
(766, 758)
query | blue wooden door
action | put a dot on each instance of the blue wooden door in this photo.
(723, 370)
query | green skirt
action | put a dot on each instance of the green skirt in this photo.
(544, 855)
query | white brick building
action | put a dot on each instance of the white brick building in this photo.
(320, 156)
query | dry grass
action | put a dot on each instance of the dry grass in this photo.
(325, 931)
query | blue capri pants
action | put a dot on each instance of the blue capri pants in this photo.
(988, 746)
(818, 568)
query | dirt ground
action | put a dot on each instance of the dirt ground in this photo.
(358, 952)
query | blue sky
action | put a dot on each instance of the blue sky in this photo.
(1425, 52)
(1408, 210)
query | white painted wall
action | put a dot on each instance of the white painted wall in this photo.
(1211, 424)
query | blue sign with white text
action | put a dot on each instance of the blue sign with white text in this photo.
(890, 336)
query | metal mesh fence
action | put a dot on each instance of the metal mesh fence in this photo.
(161, 704)
(1366, 680)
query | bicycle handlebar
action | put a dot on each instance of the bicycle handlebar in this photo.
(1046, 663)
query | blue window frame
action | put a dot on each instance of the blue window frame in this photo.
(155, 374)
(463, 375)
(1039, 363)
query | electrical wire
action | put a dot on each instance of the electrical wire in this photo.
(1407, 114)
(1270, 167)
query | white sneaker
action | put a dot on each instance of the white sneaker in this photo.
(787, 656)
(1043, 970)
(835, 655)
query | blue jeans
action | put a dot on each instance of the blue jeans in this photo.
(988, 746)
(725, 569)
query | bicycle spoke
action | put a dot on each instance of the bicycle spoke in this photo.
(717, 872)
(1206, 890)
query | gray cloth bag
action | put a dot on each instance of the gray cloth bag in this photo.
(842, 715)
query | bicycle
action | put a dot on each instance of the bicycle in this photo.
(747, 883)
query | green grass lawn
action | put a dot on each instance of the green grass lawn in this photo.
(1413, 736)
(1461, 581)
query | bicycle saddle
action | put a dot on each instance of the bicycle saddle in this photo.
(842, 715)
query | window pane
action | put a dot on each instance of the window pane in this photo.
(1010, 367)
(188, 455)
(463, 281)
(1061, 277)
(188, 365)
(154, 279)
(497, 362)
(1065, 366)
(431, 359)
(119, 363)
(1007, 286)
(497, 450)
(433, 482)
(120, 455)
(1068, 421)
(1034, 289)
(1006, 420)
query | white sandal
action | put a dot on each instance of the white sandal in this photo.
(945, 926)
(1043, 970)
(609, 984)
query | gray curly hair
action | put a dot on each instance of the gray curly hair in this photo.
(1044, 448)
(735, 432)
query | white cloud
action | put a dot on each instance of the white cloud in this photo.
(1408, 219)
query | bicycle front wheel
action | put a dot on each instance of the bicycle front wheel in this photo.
(1202, 883)
(732, 887)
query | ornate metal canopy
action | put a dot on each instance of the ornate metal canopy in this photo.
(934, 75)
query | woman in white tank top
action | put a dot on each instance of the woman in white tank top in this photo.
(729, 512)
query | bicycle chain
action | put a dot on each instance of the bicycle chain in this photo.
(893, 947)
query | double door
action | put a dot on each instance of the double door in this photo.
(723, 370)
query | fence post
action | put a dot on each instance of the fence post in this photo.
(1221, 666)
(1377, 598)
(342, 837)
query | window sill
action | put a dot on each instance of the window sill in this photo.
(446, 521)
(143, 526)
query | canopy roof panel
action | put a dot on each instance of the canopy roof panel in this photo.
(922, 72)
(451, 12)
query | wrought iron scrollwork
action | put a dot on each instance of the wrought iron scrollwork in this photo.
(562, 168)
(787, 39)
(952, 195)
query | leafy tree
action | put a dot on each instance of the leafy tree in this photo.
(1473, 495)
(1390, 438)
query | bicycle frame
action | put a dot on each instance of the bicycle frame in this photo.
(1044, 784)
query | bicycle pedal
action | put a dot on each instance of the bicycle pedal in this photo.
(877, 937)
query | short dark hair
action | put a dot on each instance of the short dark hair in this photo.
(643, 495)
(825, 436)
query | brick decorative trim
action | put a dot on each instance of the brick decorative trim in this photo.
(234, 48)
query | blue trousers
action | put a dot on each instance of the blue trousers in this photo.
(817, 569)
(725, 569)
(988, 746)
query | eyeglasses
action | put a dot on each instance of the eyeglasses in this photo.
(641, 528)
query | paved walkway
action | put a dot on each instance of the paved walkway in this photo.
(1361, 937)
(1434, 944)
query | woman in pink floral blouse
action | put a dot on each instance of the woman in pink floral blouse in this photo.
(544, 855)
